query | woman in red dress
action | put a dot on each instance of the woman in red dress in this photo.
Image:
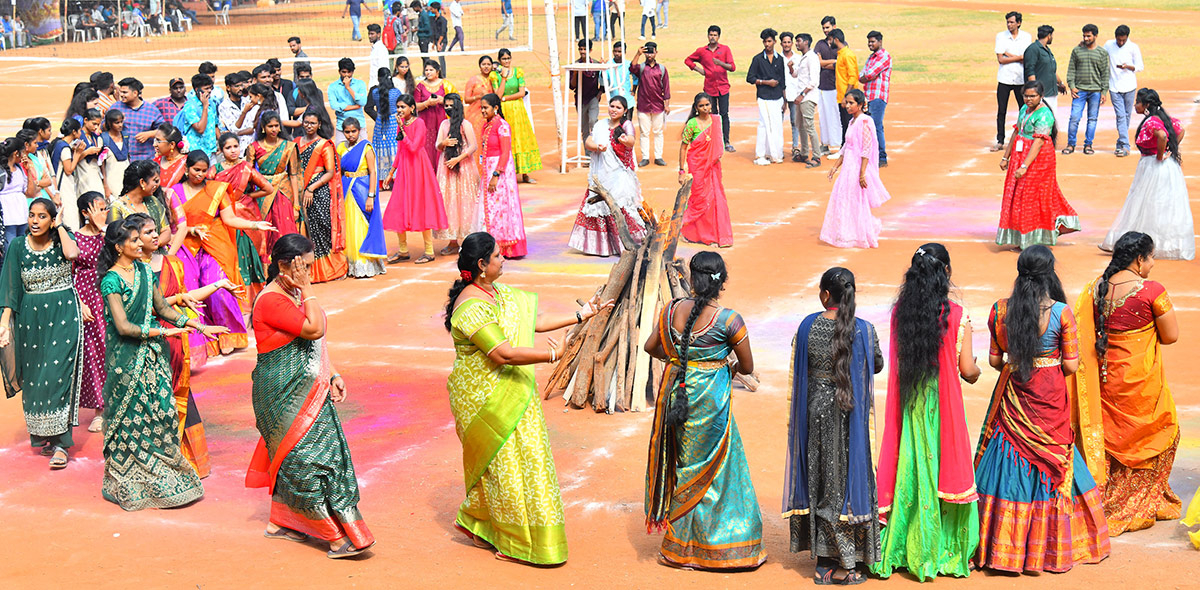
(416, 202)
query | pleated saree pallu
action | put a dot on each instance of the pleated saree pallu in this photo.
(698, 485)
(512, 495)
(302, 457)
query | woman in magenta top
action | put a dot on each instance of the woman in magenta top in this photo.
(498, 182)
(430, 95)
(1157, 203)
(416, 202)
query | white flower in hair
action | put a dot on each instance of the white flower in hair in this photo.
(716, 276)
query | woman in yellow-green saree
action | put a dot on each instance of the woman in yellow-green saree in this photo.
(513, 505)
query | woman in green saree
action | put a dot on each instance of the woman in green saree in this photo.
(302, 457)
(513, 504)
(144, 466)
(698, 486)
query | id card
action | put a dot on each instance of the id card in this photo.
(1020, 145)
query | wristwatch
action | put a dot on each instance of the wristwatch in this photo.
(496, 173)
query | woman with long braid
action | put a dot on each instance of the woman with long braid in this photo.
(829, 485)
(1039, 507)
(1157, 203)
(698, 486)
(1126, 424)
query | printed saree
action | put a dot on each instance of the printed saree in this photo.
(143, 464)
(1124, 415)
(322, 220)
(302, 457)
(512, 494)
(366, 245)
(698, 486)
(279, 207)
(192, 439)
(251, 244)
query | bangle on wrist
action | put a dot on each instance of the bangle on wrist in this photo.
(309, 298)
(578, 317)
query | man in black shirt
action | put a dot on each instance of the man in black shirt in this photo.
(766, 74)
(440, 29)
(827, 105)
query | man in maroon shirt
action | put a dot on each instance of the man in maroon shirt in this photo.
(587, 86)
(653, 100)
(714, 61)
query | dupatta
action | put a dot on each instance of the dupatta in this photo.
(704, 163)
(858, 505)
(956, 473)
(238, 179)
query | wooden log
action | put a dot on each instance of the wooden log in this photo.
(617, 281)
(649, 304)
(675, 224)
(622, 397)
(602, 383)
(622, 227)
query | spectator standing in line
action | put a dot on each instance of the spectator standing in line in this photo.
(877, 85)
(197, 120)
(809, 75)
(1010, 74)
(169, 105)
(456, 21)
(298, 53)
(347, 97)
(714, 61)
(506, 16)
(1039, 64)
(441, 31)
(791, 87)
(653, 101)
(579, 16)
(424, 30)
(380, 58)
(1124, 62)
(830, 101)
(105, 86)
(1087, 77)
(618, 81)
(846, 73)
(355, 8)
(648, 12)
(599, 21)
(766, 73)
(141, 119)
(587, 89)
(237, 114)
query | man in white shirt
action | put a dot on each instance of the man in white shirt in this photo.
(379, 55)
(237, 114)
(791, 87)
(1124, 62)
(808, 76)
(456, 16)
(1010, 75)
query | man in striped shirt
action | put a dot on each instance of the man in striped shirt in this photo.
(877, 84)
(1087, 77)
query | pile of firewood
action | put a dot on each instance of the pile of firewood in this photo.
(605, 365)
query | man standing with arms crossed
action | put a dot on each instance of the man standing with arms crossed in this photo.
(1087, 77)
(877, 85)
(1124, 62)
(714, 61)
(1010, 52)
(766, 73)
(845, 74)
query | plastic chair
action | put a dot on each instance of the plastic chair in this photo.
(223, 15)
(184, 22)
(76, 33)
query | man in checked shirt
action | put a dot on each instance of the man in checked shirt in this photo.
(877, 82)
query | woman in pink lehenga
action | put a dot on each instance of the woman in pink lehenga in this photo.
(706, 220)
(502, 215)
(848, 219)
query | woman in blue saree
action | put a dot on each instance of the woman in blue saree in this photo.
(829, 491)
(698, 484)
(366, 246)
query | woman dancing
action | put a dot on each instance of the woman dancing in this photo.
(90, 241)
(40, 304)
(416, 201)
(1157, 203)
(927, 499)
(458, 175)
(698, 486)
(246, 187)
(302, 458)
(1034, 209)
(502, 214)
(276, 158)
(169, 154)
(142, 193)
(829, 487)
(613, 169)
(508, 84)
(848, 219)
(1028, 470)
(706, 220)
(1127, 427)
(366, 245)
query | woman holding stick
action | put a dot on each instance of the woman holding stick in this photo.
(613, 169)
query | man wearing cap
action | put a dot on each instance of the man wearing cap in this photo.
(169, 105)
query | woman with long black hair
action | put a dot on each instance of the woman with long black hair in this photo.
(458, 174)
(829, 484)
(321, 200)
(698, 486)
(927, 499)
(502, 216)
(416, 202)
(381, 107)
(612, 168)
(1157, 203)
(117, 142)
(1028, 471)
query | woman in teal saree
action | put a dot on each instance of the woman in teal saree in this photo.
(698, 484)
(144, 466)
(302, 458)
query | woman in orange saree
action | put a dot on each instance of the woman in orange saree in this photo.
(241, 177)
(706, 220)
(322, 197)
(473, 93)
(1125, 419)
(168, 148)
(276, 159)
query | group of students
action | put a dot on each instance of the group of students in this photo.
(1076, 447)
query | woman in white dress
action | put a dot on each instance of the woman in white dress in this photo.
(610, 146)
(1157, 203)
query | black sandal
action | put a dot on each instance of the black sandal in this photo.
(852, 578)
(1087, 149)
(424, 259)
(346, 550)
(824, 576)
(59, 460)
(398, 258)
(1068, 150)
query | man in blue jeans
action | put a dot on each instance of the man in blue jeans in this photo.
(1124, 62)
(877, 86)
(1087, 77)
(354, 7)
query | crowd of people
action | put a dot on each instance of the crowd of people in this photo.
(138, 238)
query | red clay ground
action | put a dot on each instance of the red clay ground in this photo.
(387, 340)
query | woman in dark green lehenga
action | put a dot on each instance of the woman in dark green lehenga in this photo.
(144, 466)
(302, 458)
(38, 297)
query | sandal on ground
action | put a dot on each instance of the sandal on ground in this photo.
(796, 157)
(1121, 152)
(46, 451)
(449, 251)
(398, 258)
(823, 576)
(476, 540)
(813, 163)
(996, 147)
(424, 259)
(662, 560)
(59, 460)
(852, 578)
(97, 424)
(286, 534)
(1068, 150)
(1087, 149)
(346, 550)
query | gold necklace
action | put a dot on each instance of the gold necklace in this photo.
(124, 268)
